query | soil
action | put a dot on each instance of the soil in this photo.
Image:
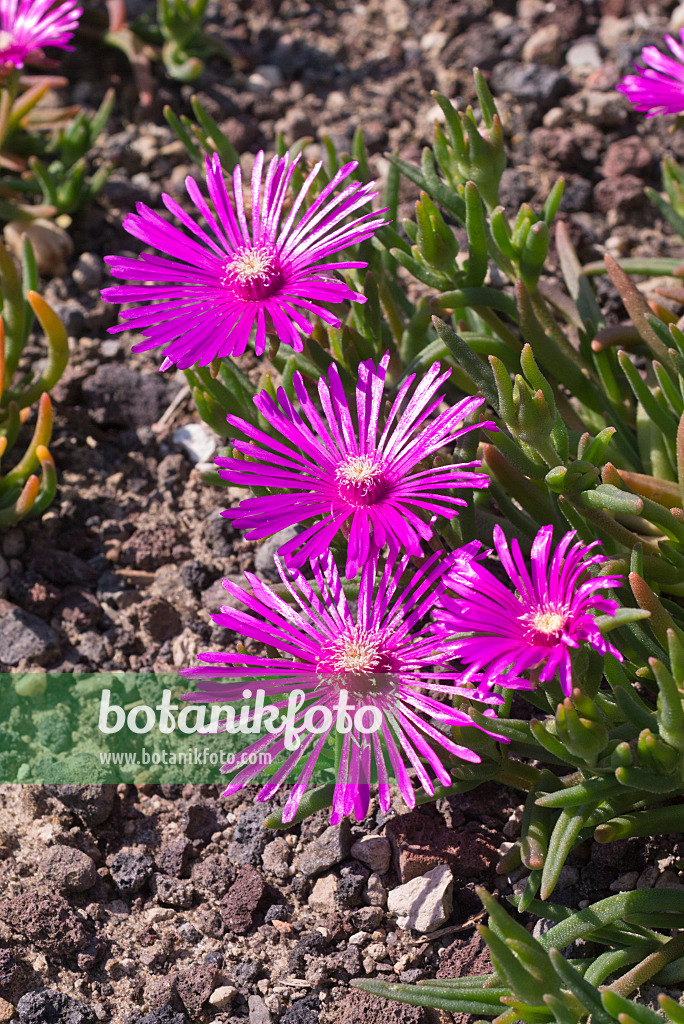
(136, 904)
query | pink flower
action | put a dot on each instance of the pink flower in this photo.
(218, 285)
(659, 87)
(383, 657)
(549, 614)
(350, 473)
(26, 26)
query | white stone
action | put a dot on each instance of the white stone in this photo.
(223, 997)
(359, 938)
(374, 851)
(376, 893)
(265, 79)
(322, 898)
(545, 46)
(197, 441)
(584, 56)
(677, 19)
(434, 42)
(425, 903)
(625, 883)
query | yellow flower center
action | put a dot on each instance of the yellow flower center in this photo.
(548, 622)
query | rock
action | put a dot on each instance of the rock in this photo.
(25, 637)
(70, 869)
(376, 893)
(34, 684)
(130, 868)
(258, 1011)
(350, 885)
(45, 1006)
(47, 921)
(9, 973)
(322, 898)
(545, 46)
(359, 1007)
(222, 998)
(303, 951)
(584, 55)
(627, 156)
(6, 1010)
(424, 903)
(172, 892)
(367, 919)
(117, 396)
(329, 849)
(93, 804)
(276, 858)
(174, 857)
(164, 1015)
(159, 620)
(264, 79)
(619, 194)
(420, 841)
(374, 851)
(13, 543)
(199, 821)
(215, 874)
(52, 246)
(148, 549)
(553, 147)
(249, 835)
(87, 274)
(243, 901)
(677, 19)
(197, 440)
(537, 83)
(514, 189)
(195, 985)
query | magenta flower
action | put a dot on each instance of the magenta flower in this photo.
(352, 474)
(219, 284)
(659, 87)
(26, 26)
(382, 658)
(550, 613)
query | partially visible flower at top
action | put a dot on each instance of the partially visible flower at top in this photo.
(659, 87)
(385, 656)
(219, 284)
(550, 613)
(337, 470)
(26, 26)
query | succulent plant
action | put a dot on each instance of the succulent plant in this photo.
(28, 485)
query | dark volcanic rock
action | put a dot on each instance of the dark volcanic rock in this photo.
(174, 857)
(420, 841)
(46, 921)
(130, 869)
(195, 985)
(49, 1007)
(25, 637)
(70, 869)
(117, 396)
(93, 804)
(536, 82)
(241, 905)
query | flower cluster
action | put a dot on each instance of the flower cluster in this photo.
(360, 483)
(27, 26)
